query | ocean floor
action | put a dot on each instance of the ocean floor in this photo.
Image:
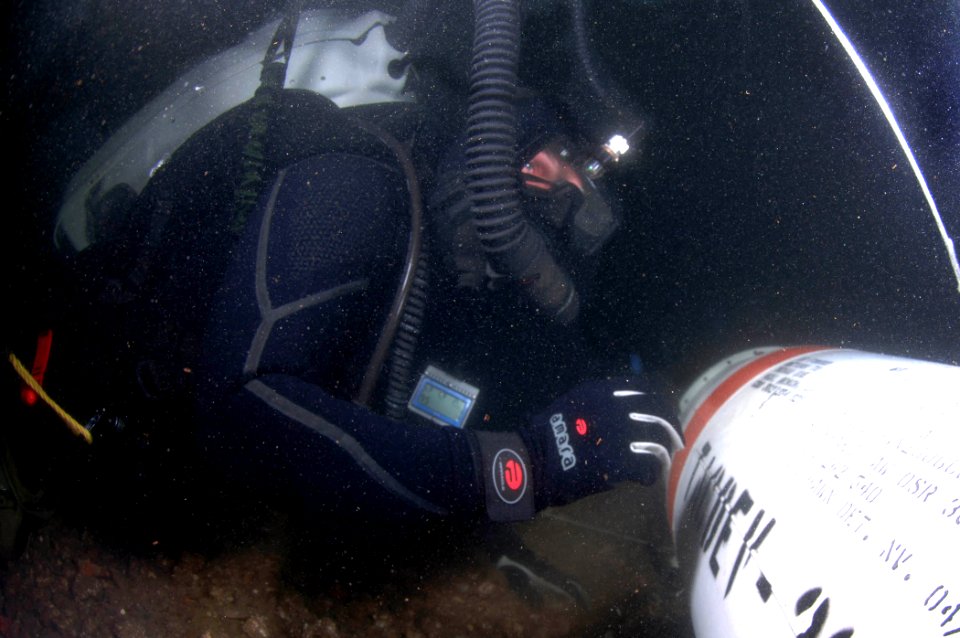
(600, 567)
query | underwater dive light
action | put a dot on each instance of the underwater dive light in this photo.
(609, 154)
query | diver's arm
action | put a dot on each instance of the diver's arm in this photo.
(339, 455)
(599, 434)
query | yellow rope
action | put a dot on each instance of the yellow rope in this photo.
(71, 422)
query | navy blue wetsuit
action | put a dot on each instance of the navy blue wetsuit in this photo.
(292, 327)
(258, 342)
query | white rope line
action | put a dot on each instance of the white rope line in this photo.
(892, 120)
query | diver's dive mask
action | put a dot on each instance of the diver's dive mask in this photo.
(564, 200)
(559, 197)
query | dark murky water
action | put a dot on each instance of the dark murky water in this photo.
(770, 204)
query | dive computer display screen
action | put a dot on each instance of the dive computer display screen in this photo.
(442, 398)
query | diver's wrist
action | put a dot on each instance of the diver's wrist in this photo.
(506, 474)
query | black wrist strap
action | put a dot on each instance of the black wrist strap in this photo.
(507, 476)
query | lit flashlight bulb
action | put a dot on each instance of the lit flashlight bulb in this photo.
(609, 153)
(618, 146)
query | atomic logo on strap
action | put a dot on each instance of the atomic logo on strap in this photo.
(581, 426)
(509, 476)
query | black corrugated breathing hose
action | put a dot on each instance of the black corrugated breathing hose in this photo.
(513, 246)
(399, 376)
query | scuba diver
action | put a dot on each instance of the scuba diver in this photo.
(280, 253)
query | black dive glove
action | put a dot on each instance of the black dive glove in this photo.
(598, 434)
